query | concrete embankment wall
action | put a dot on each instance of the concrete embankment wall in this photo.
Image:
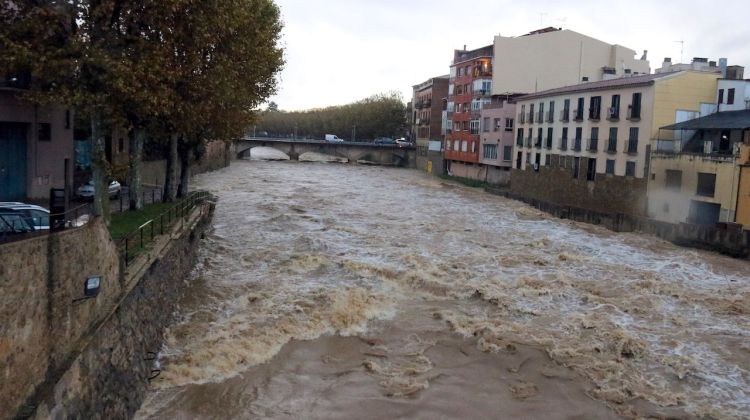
(725, 239)
(66, 357)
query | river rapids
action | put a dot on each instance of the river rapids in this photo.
(345, 291)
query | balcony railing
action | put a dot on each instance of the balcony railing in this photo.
(613, 114)
(595, 114)
(540, 116)
(538, 142)
(612, 146)
(577, 145)
(531, 117)
(548, 144)
(528, 141)
(633, 116)
(522, 118)
(578, 115)
(564, 143)
(565, 115)
(632, 146)
(593, 145)
(550, 116)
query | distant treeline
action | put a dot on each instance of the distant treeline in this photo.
(381, 115)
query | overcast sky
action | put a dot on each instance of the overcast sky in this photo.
(340, 51)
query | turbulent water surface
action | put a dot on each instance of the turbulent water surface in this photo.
(342, 291)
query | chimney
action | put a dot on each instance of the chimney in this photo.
(464, 47)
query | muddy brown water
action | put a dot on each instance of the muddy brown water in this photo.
(344, 291)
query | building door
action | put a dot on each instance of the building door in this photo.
(704, 213)
(12, 161)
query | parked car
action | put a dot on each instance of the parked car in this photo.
(86, 191)
(11, 223)
(333, 137)
(403, 142)
(36, 216)
(384, 140)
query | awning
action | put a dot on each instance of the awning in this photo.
(726, 120)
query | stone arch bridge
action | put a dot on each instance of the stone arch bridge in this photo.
(355, 152)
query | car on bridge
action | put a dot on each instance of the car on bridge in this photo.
(333, 137)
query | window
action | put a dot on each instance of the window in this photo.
(531, 113)
(563, 160)
(456, 145)
(591, 170)
(633, 140)
(519, 138)
(610, 170)
(612, 144)
(540, 133)
(490, 151)
(673, 180)
(635, 107)
(474, 147)
(579, 111)
(566, 110)
(595, 108)
(578, 139)
(496, 126)
(507, 153)
(549, 138)
(706, 184)
(630, 169)
(508, 124)
(541, 112)
(67, 119)
(474, 126)
(519, 160)
(564, 139)
(529, 137)
(45, 132)
(551, 113)
(594, 142)
(486, 124)
(614, 110)
(464, 146)
(538, 160)
(721, 96)
(576, 166)
(447, 145)
(730, 96)
(547, 159)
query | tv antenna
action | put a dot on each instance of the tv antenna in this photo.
(541, 19)
(682, 49)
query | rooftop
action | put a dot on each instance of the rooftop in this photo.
(644, 79)
(726, 120)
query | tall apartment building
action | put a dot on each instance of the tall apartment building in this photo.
(550, 58)
(470, 87)
(428, 100)
(587, 145)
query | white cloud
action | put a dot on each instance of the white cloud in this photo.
(339, 51)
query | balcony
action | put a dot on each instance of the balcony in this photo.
(531, 117)
(522, 118)
(540, 116)
(612, 146)
(565, 115)
(577, 145)
(633, 115)
(593, 145)
(613, 114)
(538, 142)
(632, 147)
(528, 142)
(595, 114)
(578, 115)
(548, 144)
(550, 116)
(564, 143)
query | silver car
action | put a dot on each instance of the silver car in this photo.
(36, 216)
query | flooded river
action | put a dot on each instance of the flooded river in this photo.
(344, 291)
